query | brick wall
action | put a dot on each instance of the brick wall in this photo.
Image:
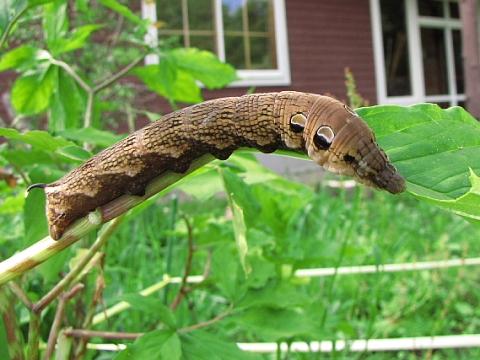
(324, 36)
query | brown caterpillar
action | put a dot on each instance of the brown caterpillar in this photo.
(327, 130)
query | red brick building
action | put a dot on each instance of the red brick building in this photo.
(400, 51)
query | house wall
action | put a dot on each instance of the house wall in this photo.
(324, 37)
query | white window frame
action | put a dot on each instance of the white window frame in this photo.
(264, 77)
(414, 22)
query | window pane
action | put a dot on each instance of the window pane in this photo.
(430, 8)
(434, 61)
(262, 50)
(454, 10)
(172, 41)
(200, 14)
(235, 51)
(169, 12)
(249, 33)
(259, 15)
(457, 55)
(203, 42)
(395, 48)
(232, 15)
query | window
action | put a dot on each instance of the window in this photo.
(418, 51)
(249, 34)
(395, 50)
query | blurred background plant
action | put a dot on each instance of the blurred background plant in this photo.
(78, 68)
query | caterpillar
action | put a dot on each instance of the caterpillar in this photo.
(328, 131)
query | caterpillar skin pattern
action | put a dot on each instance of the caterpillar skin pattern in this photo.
(327, 130)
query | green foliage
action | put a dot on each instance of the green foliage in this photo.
(122, 10)
(436, 150)
(36, 138)
(67, 105)
(203, 346)
(250, 240)
(31, 93)
(159, 344)
(178, 70)
(17, 57)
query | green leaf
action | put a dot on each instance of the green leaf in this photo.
(39, 2)
(185, 88)
(176, 75)
(82, 5)
(67, 104)
(240, 231)
(9, 9)
(35, 220)
(74, 152)
(12, 204)
(277, 324)
(204, 185)
(167, 80)
(153, 307)
(200, 345)
(158, 345)
(241, 193)
(204, 66)
(227, 272)
(31, 94)
(275, 294)
(77, 39)
(434, 149)
(18, 57)
(64, 347)
(37, 138)
(92, 136)
(122, 10)
(55, 22)
(467, 205)
(27, 157)
(239, 227)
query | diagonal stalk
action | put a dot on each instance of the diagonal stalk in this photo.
(47, 247)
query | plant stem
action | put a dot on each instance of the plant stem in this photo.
(47, 247)
(57, 321)
(170, 241)
(87, 121)
(72, 275)
(3, 38)
(183, 291)
(97, 296)
(20, 294)
(123, 305)
(82, 333)
(87, 334)
(73, 74)
(203, 324)
(13, 335)
(33, 336)
(109, 81)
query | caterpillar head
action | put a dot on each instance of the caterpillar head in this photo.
(340, 141)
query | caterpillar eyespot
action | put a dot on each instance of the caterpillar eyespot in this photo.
(218, 127)
(297, 122)
(323, 137)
